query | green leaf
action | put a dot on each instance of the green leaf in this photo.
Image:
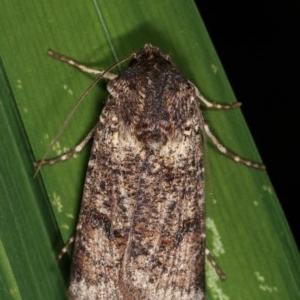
(28, 232)
(246, 229)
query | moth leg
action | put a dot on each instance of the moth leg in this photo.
(214, 264)
(228, 153)
(80, 66)
(209, 104)
(65, 248)
(66, 155)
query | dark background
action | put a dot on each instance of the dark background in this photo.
(257, 44)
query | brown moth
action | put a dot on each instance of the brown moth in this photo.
(141, 228)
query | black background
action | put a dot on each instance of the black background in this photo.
(257, 44)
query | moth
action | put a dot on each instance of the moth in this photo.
(141, 228)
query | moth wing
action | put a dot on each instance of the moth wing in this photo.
(102, 231)
(165, 252)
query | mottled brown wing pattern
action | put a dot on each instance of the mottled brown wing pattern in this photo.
(140, 233)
